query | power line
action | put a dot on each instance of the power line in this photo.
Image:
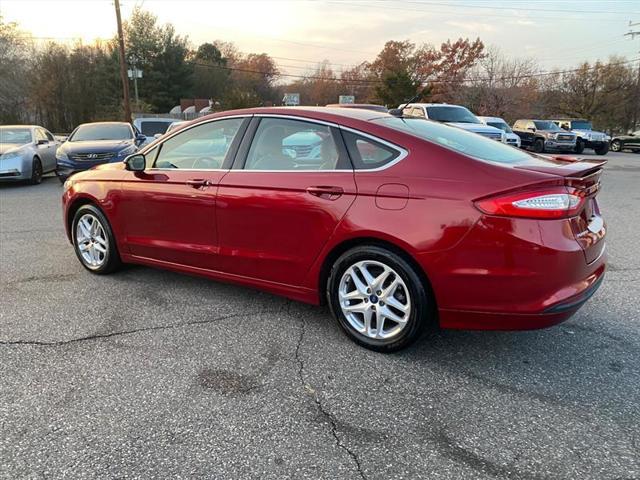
(377, 81)
(560, 10)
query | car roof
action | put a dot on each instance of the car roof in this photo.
(565, 119)
(492, 119)
(328, 114)
(20, 126)
(104, 123)
(437, 105)
(156, 119)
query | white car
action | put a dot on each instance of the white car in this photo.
(497, 122)
(151, 126)
(454, 115)
(26, 153)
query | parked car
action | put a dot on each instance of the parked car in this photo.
(631, 141)
(92, 144)
(152, 126)
(26, 153)
(365, 106)
(497, 122)
(453, 115)
(403, 224)
(587, 137)
(544, 135)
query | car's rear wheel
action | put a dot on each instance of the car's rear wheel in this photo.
(579, 147)
(538, 146)
(36, 171)
(602, 150)
(616, 146)
(379, 299)
(93, 241)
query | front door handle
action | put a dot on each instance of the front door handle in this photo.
(326, 192)
(198, 182)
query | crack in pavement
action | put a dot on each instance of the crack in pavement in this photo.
(332, 421)
(99, 336)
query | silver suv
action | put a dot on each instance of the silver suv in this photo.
(587, 136)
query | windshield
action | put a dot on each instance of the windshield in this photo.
(18, 136)
(501, 125)
(546, 125)
(104, 131)
(150, 127)
(446, 113)
(581, 125)
(462, 141)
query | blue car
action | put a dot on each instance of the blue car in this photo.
(92, 144)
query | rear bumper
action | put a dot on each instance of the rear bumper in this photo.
(550, 316)
(515, 274)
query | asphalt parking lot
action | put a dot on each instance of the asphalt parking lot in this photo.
(147, 373)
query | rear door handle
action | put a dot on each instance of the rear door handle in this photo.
(326, 192)
(198, 182)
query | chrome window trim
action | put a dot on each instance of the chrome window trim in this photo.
(153, 145)
(403, 153)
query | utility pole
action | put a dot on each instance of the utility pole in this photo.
(636, 111)
(123, 66)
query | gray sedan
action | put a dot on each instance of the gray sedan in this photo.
(26, 153)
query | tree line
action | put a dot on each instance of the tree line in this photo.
(60, 86)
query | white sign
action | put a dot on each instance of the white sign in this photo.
(136, 71)
(291, 99)
(346, 99)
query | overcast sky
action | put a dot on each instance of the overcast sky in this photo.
(300, 33)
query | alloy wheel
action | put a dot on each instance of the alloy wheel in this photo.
(616, 146)
(374, 299)
(91, 241)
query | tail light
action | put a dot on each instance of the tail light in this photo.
(558, 202)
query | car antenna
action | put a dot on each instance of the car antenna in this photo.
(397, 112)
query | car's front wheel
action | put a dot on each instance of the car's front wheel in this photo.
(379, 299)
(93, 241)
(616, 146)
(538, 146)
(579, 147)
(36, 171)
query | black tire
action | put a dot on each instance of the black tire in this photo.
(603, 150)
(538, 145)
(111, 261)
(62, 178)
(422, 307)
(36, 171)
(616, 146)
(579, 147)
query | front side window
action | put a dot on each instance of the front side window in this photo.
(203, 147)
(461, 141)
(500, 125)
(283, 144)
(40, 135)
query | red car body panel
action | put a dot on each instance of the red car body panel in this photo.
(275, 230)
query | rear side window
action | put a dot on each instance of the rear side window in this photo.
(462, 141)
(149, 127)
(366, 153)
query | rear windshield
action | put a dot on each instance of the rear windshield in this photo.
(451, 114)
(89, 132)
(149, 128)
(461, 141)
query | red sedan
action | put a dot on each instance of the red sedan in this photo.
(400, 224)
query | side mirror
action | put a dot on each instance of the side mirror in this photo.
(135, 162)
(42, 142)
(157, 135)
(532, 129)
(396, 112)
(140, 139)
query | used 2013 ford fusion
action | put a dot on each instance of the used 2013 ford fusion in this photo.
(400, 224)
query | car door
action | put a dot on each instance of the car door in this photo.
(291, 184)
(53, 146)
(46, 150)
(169, 209)
(633, 140)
